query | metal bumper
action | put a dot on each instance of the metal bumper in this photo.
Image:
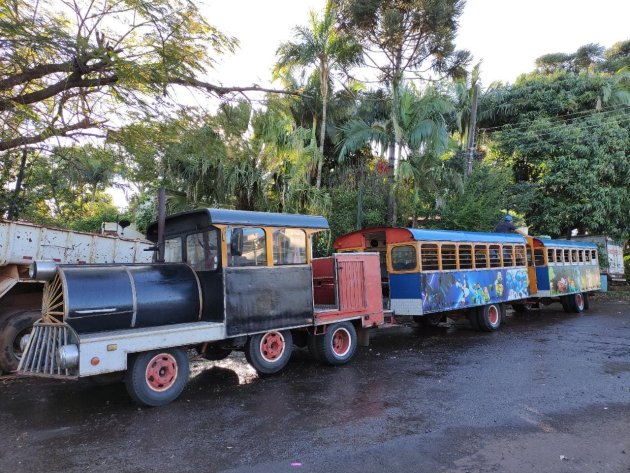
(41, 355)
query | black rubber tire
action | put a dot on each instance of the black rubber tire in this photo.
(138, 385)
(256, 358)
(429, 320)
(13, 329)
(587, 302)
(311, 343)
(489, 317)
(472, 317)
(107, 379)
(216, 353)
(325, 344)
(576, 302)
(521, 308)
(564, 300)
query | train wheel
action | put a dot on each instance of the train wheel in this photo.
(576, 302)
(472, 317)
(13, 337)
(489, 317)
(155, 378)
(587, 303)
(269, 352)
(338, 344)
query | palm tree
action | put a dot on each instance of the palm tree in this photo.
(321, 46)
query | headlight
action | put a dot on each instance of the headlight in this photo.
(68, 357)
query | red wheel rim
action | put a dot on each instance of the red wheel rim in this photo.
(272, 346)
(341, 341)
(493, 315)
(161, 372)
(580, 301)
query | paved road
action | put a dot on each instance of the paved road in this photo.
(548, 392)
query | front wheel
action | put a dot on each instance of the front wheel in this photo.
(14, 336)
(155, 378)
(337, 345)
(269, 352)
(489, 317)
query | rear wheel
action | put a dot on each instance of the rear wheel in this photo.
(576, 302)
(269, 352)
(489, 317)
(521, 308)
(155, 378)
(471, 314)
(564, 300)
(14, 337)
(429, 320)
(338, 344)
(587, 303)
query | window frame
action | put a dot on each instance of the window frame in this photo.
(219, 250)
(390, 258)
(470, 265)
(228, 247)
(437, 256)
(181, 249)
(279, 229)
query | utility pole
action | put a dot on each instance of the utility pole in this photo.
(471, 131)
(161, 223)
(14, 207)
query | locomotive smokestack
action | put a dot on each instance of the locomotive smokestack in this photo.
(161, 222)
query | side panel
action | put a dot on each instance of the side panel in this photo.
(461, 289)
(405, 294)
(571, 279)
(542, 275)
(267, 298)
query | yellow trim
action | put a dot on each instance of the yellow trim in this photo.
(357, 249)
(390, 246)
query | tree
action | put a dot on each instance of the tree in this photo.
(405, 37)
(320, 44)
(66, 67)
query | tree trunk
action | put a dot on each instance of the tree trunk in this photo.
(322, 131)
(390, 184)
(13, 209)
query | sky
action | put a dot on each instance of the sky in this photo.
(507, 35)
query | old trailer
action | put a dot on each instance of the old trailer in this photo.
(21, 243)
(229, 280)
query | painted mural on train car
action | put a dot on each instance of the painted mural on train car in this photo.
(459, 289)
(571, 279)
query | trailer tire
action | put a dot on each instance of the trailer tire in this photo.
(587, 303)
(564, 300)
(311, 343)
(521, 308)
(489, 317)
(15, 327)
(429, 320)
(215, 353)
(338, 344)
(576, 302)
(158, 377)
(472, 317)
(269, 352)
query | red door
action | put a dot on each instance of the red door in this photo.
(351, 276)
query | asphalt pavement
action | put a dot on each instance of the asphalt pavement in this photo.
(547, 392)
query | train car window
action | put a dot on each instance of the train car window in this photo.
(559, 256)
(173, 250)
(508, 255)
(495, 256)
(519, 255)
(581, 256)
(449, 257)
(481, 256)
(550, 255)
(539, 257)
(289, 246)
(429, 257)
(465, 257)
(594, 256)
(202, 250)
(587, 256)
(567, 256)
(404, 258)
(574, 256)
(246, 246)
